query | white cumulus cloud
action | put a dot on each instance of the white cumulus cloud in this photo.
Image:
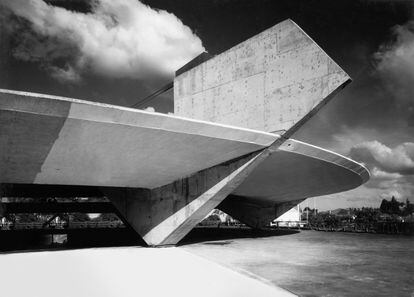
(379, 174)
(395, 65)
(399, 159)
(121, 39)
(396, 60)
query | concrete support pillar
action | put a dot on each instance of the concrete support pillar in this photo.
(164, 215)
(253, 213)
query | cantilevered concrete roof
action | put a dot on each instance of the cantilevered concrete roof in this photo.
(54, 140)
(298, 170)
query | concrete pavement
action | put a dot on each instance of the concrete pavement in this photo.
(124, 272)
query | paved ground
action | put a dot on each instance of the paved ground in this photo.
(312, 263)
(308, 263)
(124, 272)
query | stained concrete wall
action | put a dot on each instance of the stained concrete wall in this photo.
(164, 215)
(62, 141)
(269, 82)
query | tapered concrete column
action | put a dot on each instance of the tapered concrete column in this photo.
(163, 216)
(256, 214)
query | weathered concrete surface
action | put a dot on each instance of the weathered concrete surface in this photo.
(163, 216)
(298, 171)
(126, 272)
(268, 82)
(255, 213)
(308, 171)
(64, 141)
(48, 140)
(170, 172)
(53, 140)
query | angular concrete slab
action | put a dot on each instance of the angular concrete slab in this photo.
(253, 212)
(168, 164)
(165, 173)
(163, 216)
(53, 140)
(269, 82)
(298, 170)
(292, 173)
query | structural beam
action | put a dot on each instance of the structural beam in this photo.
(254, 213)
(270, 82)
(165, 173)
(163, 216)
(57, 207)
(47, 190)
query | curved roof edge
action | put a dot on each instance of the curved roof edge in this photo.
(115, 114)
(313, 151)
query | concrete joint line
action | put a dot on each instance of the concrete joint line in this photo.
(176, 226)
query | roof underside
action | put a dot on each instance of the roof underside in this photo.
(298, 170)
(51, 140)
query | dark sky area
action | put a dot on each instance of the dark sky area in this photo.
(371, 120)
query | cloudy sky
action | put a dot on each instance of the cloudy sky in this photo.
(120, 51)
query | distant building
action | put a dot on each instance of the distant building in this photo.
(291, 218)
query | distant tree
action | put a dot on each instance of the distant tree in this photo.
(395, 206)
(408, 209)
(384, 206)
(79, 217)
(366, 215)
(214, 218)
(391, 207)
(343, 212)
(26, 217)
(10, 217)
(107, 217)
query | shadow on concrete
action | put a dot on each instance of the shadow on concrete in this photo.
(210, 235)
(20, 241)
(36, 240)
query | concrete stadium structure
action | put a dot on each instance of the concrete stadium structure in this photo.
(227, 146)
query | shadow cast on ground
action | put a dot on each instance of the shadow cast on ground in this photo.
(209, 235)
(34, 240)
